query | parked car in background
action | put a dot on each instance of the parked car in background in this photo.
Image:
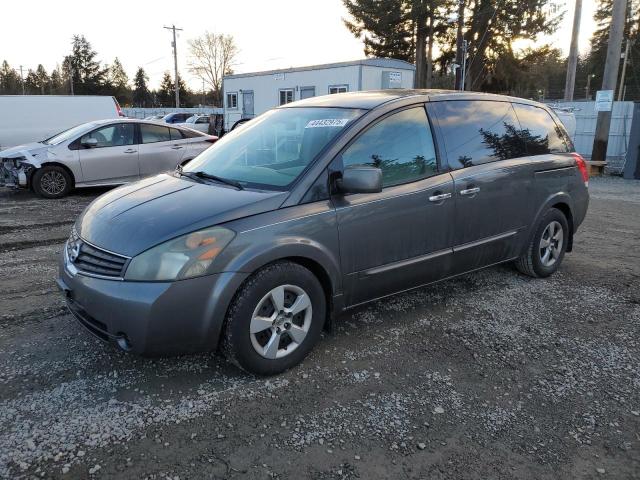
(105, 152)
(318, 206)
(197, 122)
(158, 116)
(176, 117)
(29, 118)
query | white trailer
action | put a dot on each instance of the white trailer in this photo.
(249, 94)
(31, 118)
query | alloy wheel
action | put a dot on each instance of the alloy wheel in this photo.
(551, 243)
(53, 182)
(281, 321)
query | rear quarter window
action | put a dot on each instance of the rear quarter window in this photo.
(478, 131)
(539, 130)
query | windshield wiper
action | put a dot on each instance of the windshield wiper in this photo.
(208, 176)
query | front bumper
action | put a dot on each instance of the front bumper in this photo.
(151, 318)
(14, 174)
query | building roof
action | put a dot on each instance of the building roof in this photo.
(373, 98)
(371, 62)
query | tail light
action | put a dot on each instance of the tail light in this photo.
(118, 109)
(212, 139)
(582, 166)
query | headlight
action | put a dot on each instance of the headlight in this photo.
(183, 257)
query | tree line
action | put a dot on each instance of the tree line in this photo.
(423, 32)
(81, 73)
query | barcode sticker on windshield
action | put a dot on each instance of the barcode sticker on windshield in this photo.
(328, 122)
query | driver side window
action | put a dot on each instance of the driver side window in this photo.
(400, 145)
(117, 135)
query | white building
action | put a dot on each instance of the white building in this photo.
(249, 94)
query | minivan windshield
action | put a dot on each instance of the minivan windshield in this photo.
(272, 150)
(67, 134)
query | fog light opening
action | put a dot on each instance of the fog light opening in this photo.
(123, 342)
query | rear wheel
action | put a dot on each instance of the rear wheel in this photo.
(547, 247)
(275, 319)
(51, 182)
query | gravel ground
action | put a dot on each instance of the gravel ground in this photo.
(492, 375)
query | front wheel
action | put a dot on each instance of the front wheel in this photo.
(547, 247)
(275, 319)
(51, 182)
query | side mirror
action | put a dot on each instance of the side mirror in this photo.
(90, 143)
(360, 179)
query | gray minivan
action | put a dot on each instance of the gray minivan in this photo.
(318, 206)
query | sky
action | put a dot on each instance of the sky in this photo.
(270, 34)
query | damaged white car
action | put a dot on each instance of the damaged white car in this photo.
(105, 152)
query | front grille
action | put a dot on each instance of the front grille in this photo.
(93, 260)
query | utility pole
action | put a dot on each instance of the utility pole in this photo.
(459, 46)
(71, 79)
(464, 64)
(624, 69)
(21, 79)
(612, 63)
(587, 89)
(175, 63)
(572, 61)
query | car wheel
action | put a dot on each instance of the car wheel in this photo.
(547, 247)
(51, 182)
(275, 319)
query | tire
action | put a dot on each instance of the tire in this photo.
(539, 260)
(52, 182)
(260, 339)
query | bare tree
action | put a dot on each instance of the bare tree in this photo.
(212, 56)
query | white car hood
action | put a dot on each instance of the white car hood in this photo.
(34, 153)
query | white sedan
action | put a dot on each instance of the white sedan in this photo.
(104, 152)
(197, 122)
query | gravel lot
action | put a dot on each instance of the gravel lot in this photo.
(493, 375)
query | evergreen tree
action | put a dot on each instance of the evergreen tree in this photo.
(31, 83)
(165, 94)
(399, 29)
(42, 79)
(141, 94)
(118, 82)
(87, 74)
(56, 83)
(10, 83)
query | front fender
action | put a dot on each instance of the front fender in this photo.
(257, 255)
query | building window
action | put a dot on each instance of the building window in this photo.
(286, 96)
(338, 88)
(232, 100)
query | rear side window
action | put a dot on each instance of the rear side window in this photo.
(478, 131)
(400, 145)
(541, 133)
(175, 134)
(154, 133)
(190, 134)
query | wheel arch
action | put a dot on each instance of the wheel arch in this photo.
(56, 164)
(568, 213)
(560, 201)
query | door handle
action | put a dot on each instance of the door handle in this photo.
(131, 150)
(176, 147)
(470, 191)
(439, 197)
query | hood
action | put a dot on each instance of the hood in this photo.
(138, 216)
(27, 150)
